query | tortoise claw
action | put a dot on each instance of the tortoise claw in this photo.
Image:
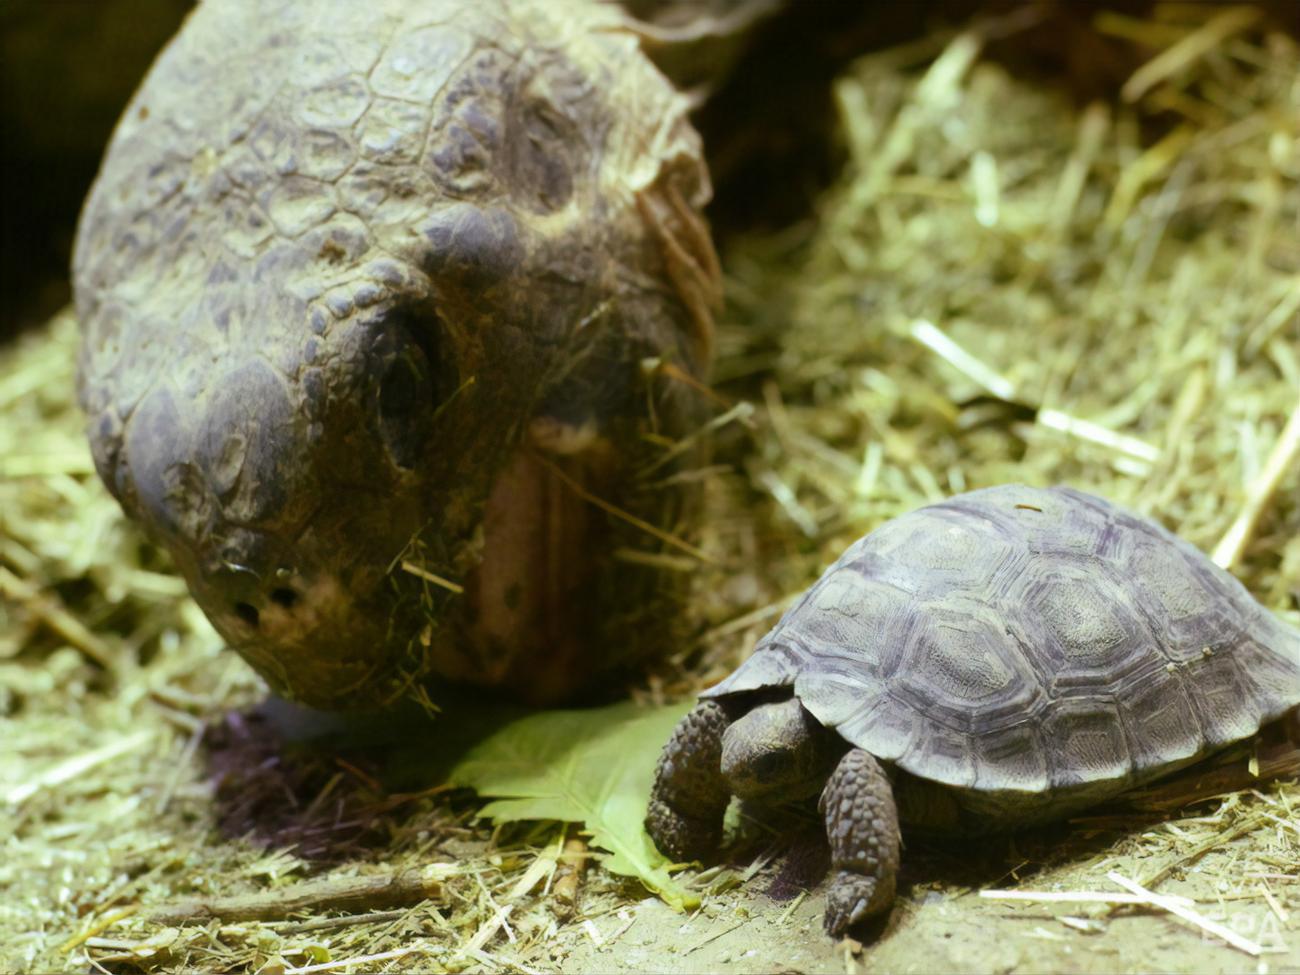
(852, 898)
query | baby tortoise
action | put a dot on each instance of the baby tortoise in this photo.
(1005, 657)
(376, 297)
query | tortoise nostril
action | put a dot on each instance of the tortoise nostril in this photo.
(248, 613)
(285, 597)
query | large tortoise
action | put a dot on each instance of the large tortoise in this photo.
(1002, 658)
(377, 298)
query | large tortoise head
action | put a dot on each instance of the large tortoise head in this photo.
(339, 261)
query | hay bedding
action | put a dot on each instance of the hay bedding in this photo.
(1001, 286)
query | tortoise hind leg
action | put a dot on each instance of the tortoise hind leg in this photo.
(690, 796)
(862, 826)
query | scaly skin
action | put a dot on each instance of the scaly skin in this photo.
(690, 796)
(862, 826)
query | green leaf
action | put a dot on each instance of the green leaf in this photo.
(593, 767)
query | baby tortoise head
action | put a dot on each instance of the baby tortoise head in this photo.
(335, 265)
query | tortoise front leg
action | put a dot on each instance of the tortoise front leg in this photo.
(862, 826)
(690, 796)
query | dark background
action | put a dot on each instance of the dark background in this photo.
(66, 69)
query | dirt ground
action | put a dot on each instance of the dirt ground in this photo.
(174, 822)
(934, 929)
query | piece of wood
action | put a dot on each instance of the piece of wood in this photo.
(350, 894)
(568, 877)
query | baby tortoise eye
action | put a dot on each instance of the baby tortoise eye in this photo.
(415, 379)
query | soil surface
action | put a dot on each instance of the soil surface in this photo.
(771, 927)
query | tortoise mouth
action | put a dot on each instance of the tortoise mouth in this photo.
(326, 626)
(357, 633)
(507, 607)
(518, 620)
(319, 646)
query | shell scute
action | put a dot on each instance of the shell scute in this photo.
(956, 669)
(1224, 699)
(853, 611)
(945, 753)
(1084, 629)
(892, 730)
(1163, 724)
(1085, 741)
(931, 556)
(1015, 759)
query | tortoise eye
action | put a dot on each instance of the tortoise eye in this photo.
(401, 389)
(409, 389)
